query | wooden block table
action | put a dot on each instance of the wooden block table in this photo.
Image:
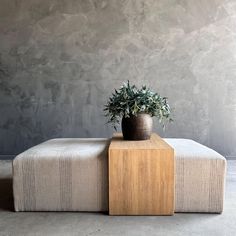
(141, 177)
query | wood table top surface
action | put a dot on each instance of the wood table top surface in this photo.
(155, 142)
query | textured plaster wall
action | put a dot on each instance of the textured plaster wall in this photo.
(60, 60)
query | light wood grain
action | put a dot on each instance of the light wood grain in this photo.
(141, 177)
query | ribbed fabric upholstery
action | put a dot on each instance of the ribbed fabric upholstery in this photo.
(62, 175)
(71, 175)
(199, 177)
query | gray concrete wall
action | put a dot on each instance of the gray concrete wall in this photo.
(60, 60)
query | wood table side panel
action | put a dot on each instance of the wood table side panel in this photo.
(141, 182)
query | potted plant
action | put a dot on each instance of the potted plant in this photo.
(136, 107)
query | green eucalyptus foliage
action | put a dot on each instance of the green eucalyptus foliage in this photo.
(129, 100)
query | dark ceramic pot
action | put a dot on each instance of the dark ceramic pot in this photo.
(137, 127)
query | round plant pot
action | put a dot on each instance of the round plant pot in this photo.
(137, 127)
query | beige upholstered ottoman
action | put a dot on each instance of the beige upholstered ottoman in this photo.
(199, 178)
(71, 175)
(62, 175)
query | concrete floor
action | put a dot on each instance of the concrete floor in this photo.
(63, 224)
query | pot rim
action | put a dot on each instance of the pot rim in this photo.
(140, 113)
